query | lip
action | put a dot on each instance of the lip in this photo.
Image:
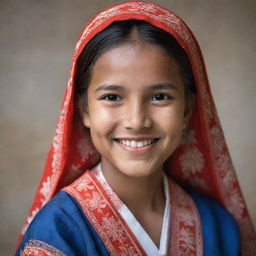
(144, 149)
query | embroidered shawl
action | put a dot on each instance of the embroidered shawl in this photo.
(202, 160)
(102, 207)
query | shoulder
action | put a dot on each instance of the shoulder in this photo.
(56, 223)
(61, 228)
(60, 212)
(210, 206)
(62, 205)
(220, 230)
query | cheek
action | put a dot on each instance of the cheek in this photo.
(171, 119)
(102, 120)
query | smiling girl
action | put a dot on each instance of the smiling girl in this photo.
(137, 115)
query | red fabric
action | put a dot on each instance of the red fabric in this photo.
(185, 239)
(202, 160)
(87, 190)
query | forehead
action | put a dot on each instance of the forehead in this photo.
(136, 64)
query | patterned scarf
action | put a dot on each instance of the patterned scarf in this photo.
(202, 159)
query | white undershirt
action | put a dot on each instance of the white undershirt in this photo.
(144, 239)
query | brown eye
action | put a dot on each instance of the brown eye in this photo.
(111, 97)
(160, 96)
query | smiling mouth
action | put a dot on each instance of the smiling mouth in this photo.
(131, 145)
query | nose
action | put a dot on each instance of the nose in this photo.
(137, 117)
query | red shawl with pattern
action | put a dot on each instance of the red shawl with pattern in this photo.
(202, 159)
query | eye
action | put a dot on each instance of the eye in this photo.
(111, 97)
(160, 96)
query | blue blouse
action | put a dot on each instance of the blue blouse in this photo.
(62, 228)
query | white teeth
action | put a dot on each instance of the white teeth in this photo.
(133, 144)
(136, 144)
(140, 144)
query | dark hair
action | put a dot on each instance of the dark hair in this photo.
(119, 33)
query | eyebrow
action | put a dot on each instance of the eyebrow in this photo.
(152, 87)
(163, 86)
(109, 88)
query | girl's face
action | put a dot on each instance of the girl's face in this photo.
(135, 108)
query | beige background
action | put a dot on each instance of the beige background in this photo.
(36, 44)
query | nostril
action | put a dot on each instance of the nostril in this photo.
(138, 124)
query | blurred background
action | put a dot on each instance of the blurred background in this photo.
(37, 39)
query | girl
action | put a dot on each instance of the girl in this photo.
(138, 108)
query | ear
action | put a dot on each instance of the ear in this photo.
(189, 109)
(84, 113)
(86, 119)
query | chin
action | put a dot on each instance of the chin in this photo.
(138, 170)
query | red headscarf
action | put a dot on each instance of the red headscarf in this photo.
(202, 159)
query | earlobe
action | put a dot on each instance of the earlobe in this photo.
(83, 109)
(86, 120)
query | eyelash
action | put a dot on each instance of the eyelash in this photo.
(165, 95)
(114, 97)
(107, 97)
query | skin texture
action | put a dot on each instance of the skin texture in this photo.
(132, 109)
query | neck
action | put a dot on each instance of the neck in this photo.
(140, 194)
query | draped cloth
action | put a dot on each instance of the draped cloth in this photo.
(201, 161)
(88, 218)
